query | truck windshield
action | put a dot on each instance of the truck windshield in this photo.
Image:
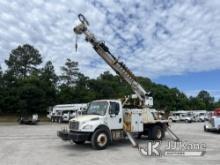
(97, 108)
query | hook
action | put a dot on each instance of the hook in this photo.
(83, 19)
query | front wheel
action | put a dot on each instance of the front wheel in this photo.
(100, 139)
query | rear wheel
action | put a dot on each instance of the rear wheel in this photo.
(170, 120)
(205, 129)
(156, 133)
(60, 120)
(188, 121)
(100, 139)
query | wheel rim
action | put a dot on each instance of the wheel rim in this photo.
(158, 134)
(102, 139)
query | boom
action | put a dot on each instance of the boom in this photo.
(119, 67)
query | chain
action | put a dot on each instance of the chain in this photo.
(76, 42)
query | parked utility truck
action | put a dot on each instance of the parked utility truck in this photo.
(65, 112)
(184, 116)
(200, 115)
(109, 120)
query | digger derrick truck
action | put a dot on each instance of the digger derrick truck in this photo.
(109, 120)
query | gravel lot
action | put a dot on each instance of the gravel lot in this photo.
(39, 145)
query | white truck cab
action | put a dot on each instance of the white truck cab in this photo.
(102, 112)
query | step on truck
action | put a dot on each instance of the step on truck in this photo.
(109, 120)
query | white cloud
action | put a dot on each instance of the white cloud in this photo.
(154, 38)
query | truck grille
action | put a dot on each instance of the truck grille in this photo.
(74, 125)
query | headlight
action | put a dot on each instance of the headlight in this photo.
(89, 127)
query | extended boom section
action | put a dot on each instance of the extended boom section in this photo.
(119, 67)
(108, 120)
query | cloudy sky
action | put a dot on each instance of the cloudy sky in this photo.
(174, 42)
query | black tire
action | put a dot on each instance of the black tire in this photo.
(156, 133)
(100, 139)
(139, 135)
(205, 129)
(79, 142)
(171, 120)
(60, 120)
(188, 121)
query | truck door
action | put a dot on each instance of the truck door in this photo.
(115, 120)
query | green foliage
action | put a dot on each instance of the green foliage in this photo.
(1, 90)
(206, 99)
(1, 73)
(25, 89)
(107, 86)
(48, 74)
(217, 104)
(70, 72)
(31, 98)
(23, 60)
